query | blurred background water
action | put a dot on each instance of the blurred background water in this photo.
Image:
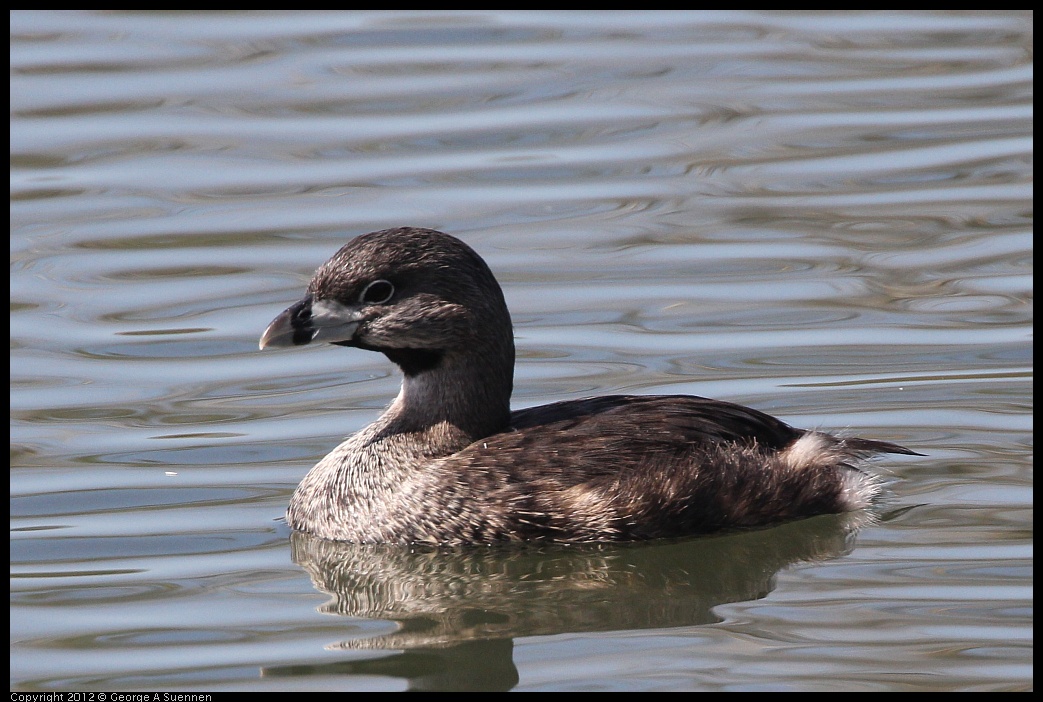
(824, 215)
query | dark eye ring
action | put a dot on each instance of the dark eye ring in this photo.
(377, 292)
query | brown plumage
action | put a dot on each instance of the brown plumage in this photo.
(449, 463)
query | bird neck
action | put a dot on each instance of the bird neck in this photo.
(463, 397)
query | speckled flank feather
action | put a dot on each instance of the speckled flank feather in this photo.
(448, 462)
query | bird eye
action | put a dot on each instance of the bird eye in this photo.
(377, 292)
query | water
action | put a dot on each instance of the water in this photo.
(826, 216)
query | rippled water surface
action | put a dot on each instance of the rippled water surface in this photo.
(826, 216)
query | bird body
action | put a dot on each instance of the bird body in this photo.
(449, 463)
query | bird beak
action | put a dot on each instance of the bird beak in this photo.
(309, 321)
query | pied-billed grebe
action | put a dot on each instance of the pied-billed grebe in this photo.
(450, 463)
